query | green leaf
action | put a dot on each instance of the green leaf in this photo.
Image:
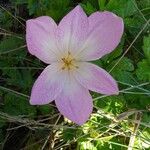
(134, 24)
(113, 104)
(123, 70)
(20, 78)
(69, 134)
(146, 47)
(88, 8)
(101, 4)
(12, 60)
(143, 70)
(45, 109)
(10, 43)
(123, 8)
(33, 6)
(56, 9)
(18, 106)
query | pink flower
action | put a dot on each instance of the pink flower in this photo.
(68, 47)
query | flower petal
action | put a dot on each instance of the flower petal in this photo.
(72, 29)
(48, 85)
(40, 37)
(105, 31)
(75, 102)
(96, 79)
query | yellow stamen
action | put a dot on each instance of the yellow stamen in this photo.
(68, 62)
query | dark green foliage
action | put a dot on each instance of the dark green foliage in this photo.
(5, 19)
(112, 104)
(88, 7)
(16, 106)
(122, 8)
(56, 9)
(146, 47)
(123, 71)
(143, 70)
(69, 134)
(45, 110)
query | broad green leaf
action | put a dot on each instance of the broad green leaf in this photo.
(9, 43)
(146, 47)
(123, 71)
(33, 7)
(102, 4)
(18, 106)
(69, 134)
(123, 8)
(134, 24)
(88, 7)
(21, 78)
(55, 9)
(143, 70)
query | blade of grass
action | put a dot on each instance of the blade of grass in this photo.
(138, 117)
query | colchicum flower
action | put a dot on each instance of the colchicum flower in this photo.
(68, 48)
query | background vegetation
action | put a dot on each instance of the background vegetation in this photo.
(117, 122)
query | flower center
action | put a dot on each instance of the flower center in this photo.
(68, 62)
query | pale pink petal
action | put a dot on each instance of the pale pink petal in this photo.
(75, 102)
(104, 34)
(72, 30)
(48, 85)
(40, 38)
(96, 79)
